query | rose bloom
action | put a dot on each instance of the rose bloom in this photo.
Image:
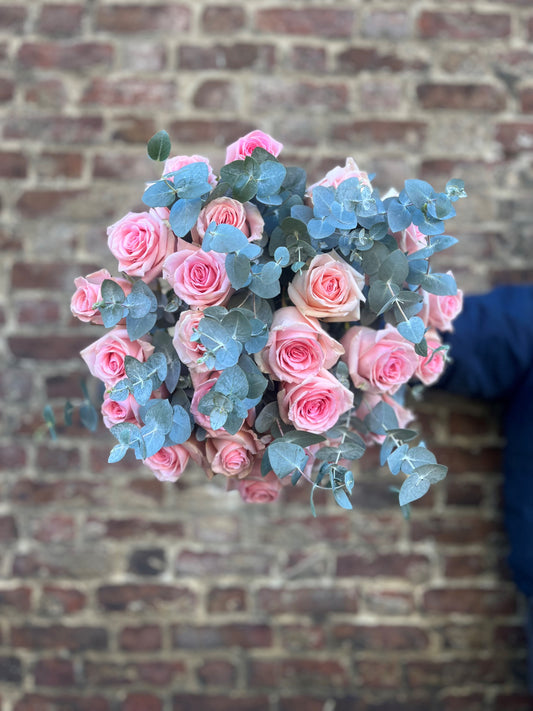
(411, 239)
(378, 361)
(203, 381)
(199, 278)
(257, 489)
(169, 463)
(315, 404)
(141, 241)
(226, 211)
(233, 455)
(330, 289)
(339, 174)
(176, 162)
(105, 357)
(244, 146)
(113, 412)
(439, 311)
(88, 293)
(189, 351)
(369, 402)
(431, 366)
(297, 347)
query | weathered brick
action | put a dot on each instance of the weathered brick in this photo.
(223, 19)
(74, 639)
(60, 19)
(12, 18)
(40, 702)
(217, 672)
(45, 348)
(8, 528)
(38, 312)
(321, 22)
(12, 456)
(130, 91)
(58, 601)
(231, 599)
(59, 165)
(200, 702)
(15, 599)
(48, 94)
(239, 56)
(463, 97)
(313, 97)
(387, 24)
(235, 635)
(13, 164)
(314, 600)
(380, 637)
(471, 600)
(136, 18)
(54, 672)
(216, 94)
(209, 564)
(55, 129)
(10, 670)
(147, 561)
(145, 638)
(390, 565)
(7, 89)
(308, 59)
(464, 25)
(32, 492)
(356, 59)
(360, 133)
(141, 701)
(67, 57)
(313, 674)
(134, 597)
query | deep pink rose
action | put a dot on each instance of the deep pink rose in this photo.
(189, 351)
(88, 293)
(176, 162)
(369, 402)
(297, 347)
(141, 241)
(378, 361)
(316, 404)
(197, 277)
(411, 239)
(257, 489)
(439, 311)
(105, 357)
(233, 455)
(226, 211)
(430, 367)
(339, 174)
(245, 146)
(114, 412)
(169, 463)
(330, 289)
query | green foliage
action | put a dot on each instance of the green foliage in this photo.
(158, 146)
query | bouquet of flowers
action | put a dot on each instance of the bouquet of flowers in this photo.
(269, 330)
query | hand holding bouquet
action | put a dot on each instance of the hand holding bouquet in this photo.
(268, 330)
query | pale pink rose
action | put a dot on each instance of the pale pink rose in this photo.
(411, 239)
(430, 367)
(315, 404)
(233, 455)
(227, 211)
(176, 162)
(440, 311)
(199, 278)
(105, 357)
(114, 413)
(189, 351)
(244, 146)
(88, 293)
(297, 347)
(169, 463)
(140, 241)
(202, 385)
(339, 174)
(257, 489)
(369, 402)
(330, 289)
(378, 361)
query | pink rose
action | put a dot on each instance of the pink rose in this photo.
(169, 463)
(233, 455)
(245, 146)
(378, 361)
(297, 347)
(369, 402)
(176, 162)
(88, 293)
(330, 289)
(411, 239)
(315, 404)
(189, 351)
(202, 382)
(105, 357)
(257, 489)
(339, 174)
(140, 241)
(226, 211)
(114, 412)
(197, 277)
(439, 311)
(431, 366)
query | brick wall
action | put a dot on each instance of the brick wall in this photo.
(120, 594)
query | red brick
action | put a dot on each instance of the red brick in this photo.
(217, 672)
(242, 55)
(125, 528)
(361, 133)
(7, 89)
(464, 636)
(48, 275)
(464, 493)
(460, 461)
(55, 528)
(12, 18)
(317, 22)
(389, 565)
(113, 166)
(214, 564)
(8, 528)
(526, 100)
(466, 565)
(160, 673)
(74, 639)
(32, 492)
(216, 94)
(380, 637)
(38, 312)
(58, 601)
(443, 674)
(13, 164)
(133, 597)
(308, 59)
(511, 636)
(144, 638)
(67, 57)
(312, 674)
(15, 600)
(223, 19)
(231, 599)
(45, 348)
(517, 701)
(10, 670)
(38, 702)
(389, 602)
(55, 129)
(130, 91)
(378, 674)
(132, 18)
(355, 59)
(199, 702)
(307, 600)
(47, 94)
(57, 459)
(12, 456)
(463, 25)
(54, 672)
(298, 638)
(387, 24)
(300, 94)
(38, 203)
(447, 529)
(463, 97)
(235, 635)
(60, 19)
(473, 601)
(141, 701)
(132, 129)
(59, 165)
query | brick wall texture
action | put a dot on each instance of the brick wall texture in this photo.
(119, 593)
